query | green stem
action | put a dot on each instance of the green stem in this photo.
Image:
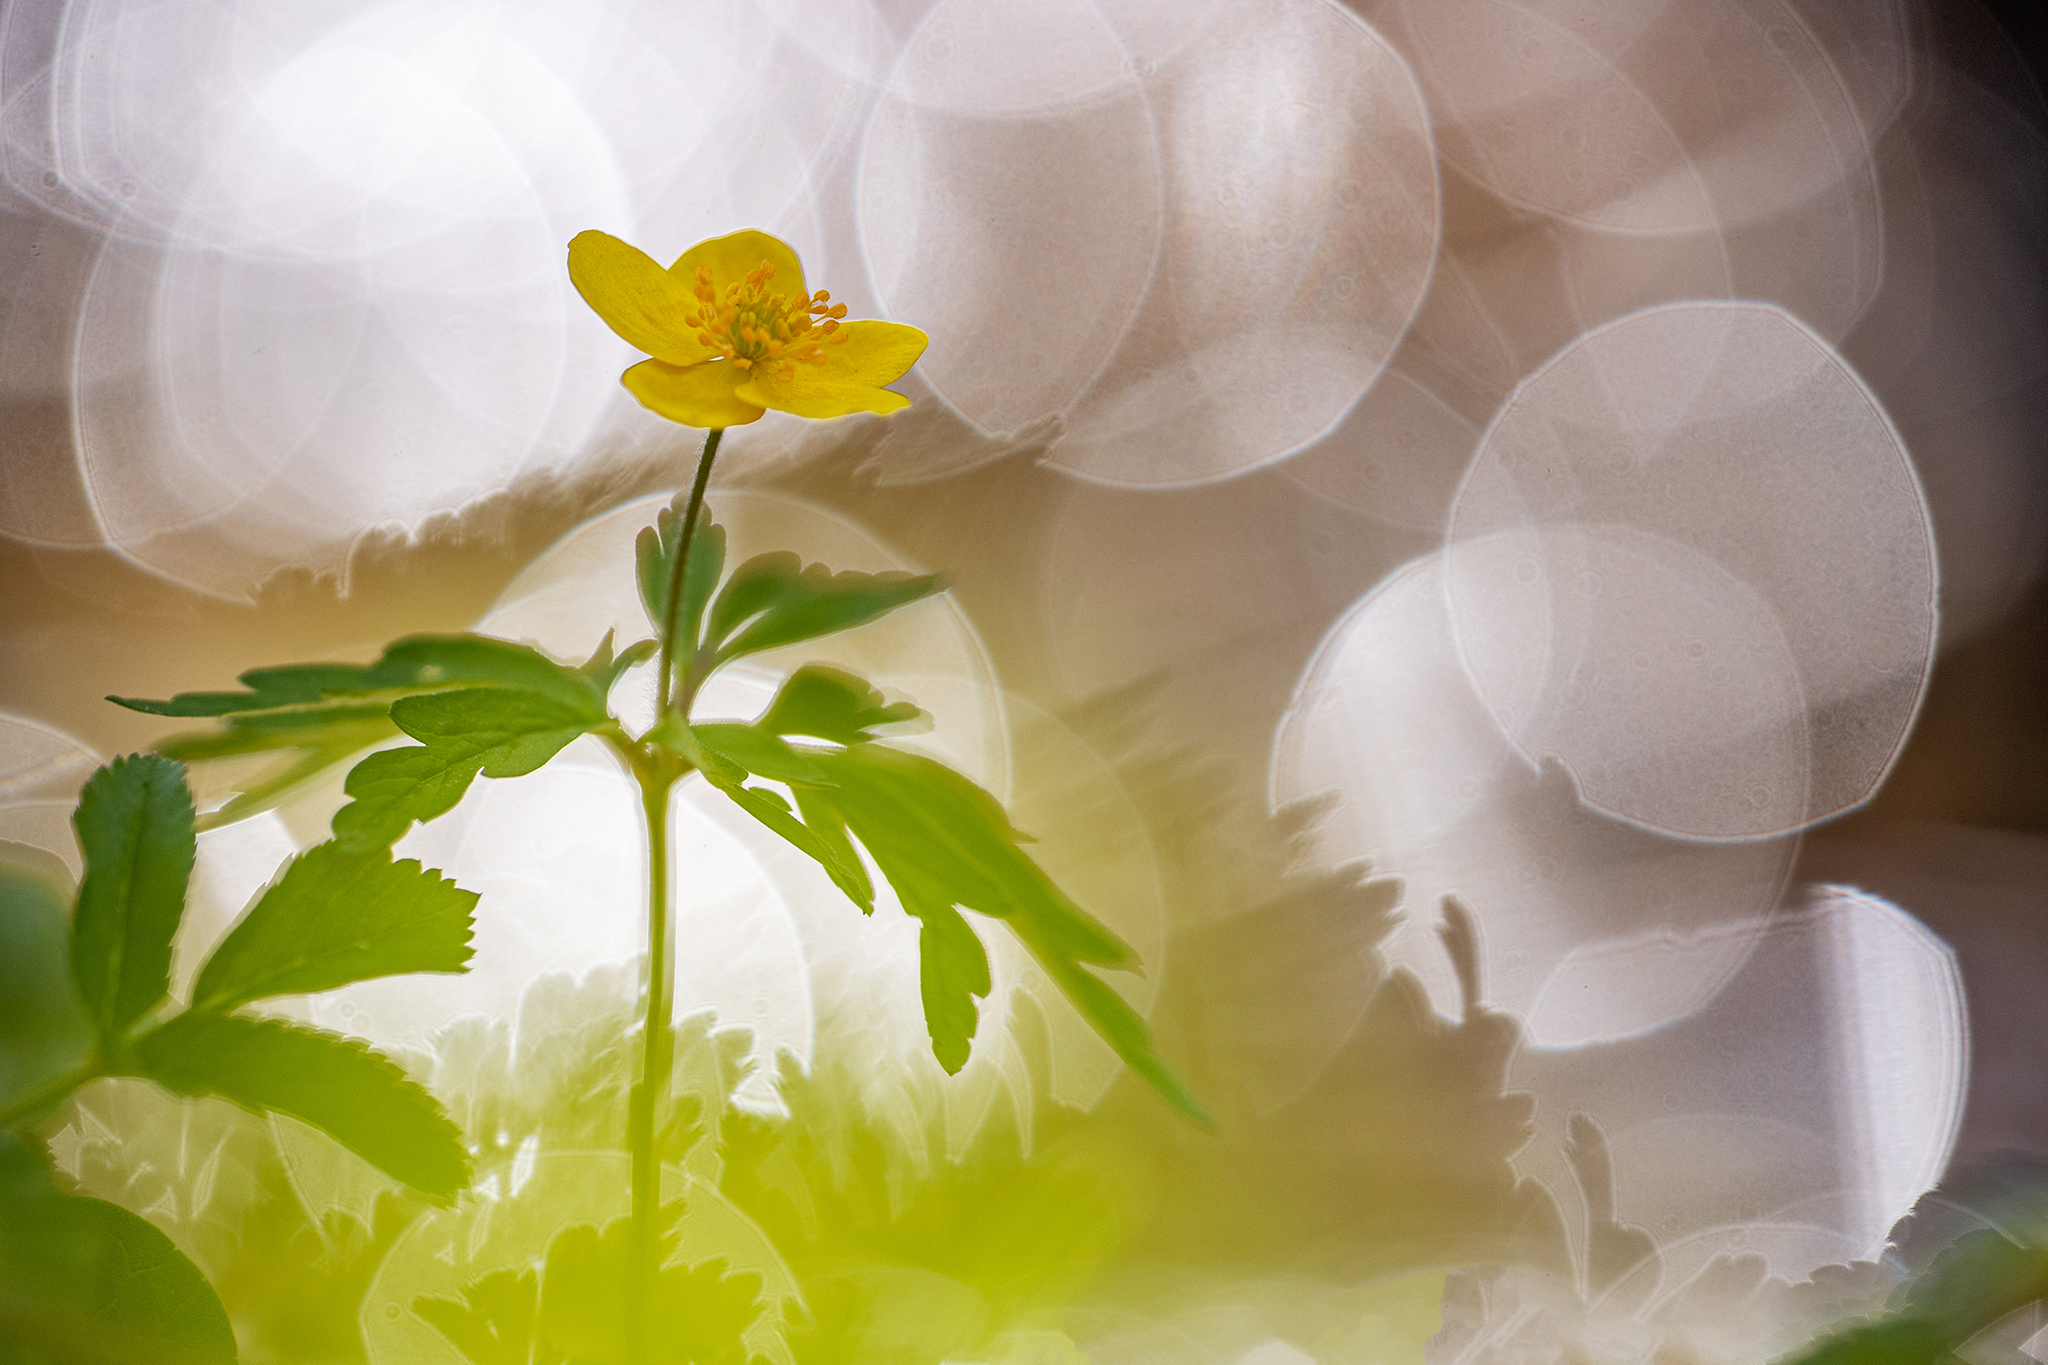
(657, 773)
(666, 671)
(657, 1058)
(48, 1093)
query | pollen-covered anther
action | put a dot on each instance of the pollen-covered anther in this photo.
(752, 328)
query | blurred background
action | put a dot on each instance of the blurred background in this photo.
(1581, 458)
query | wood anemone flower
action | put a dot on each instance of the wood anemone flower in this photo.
(733, 332)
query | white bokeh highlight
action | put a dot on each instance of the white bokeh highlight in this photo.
(1715, 541)
(1387, 735)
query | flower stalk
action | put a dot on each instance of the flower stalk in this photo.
(657, 773)
(665, 687)
(657, 1060)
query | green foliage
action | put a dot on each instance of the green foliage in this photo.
(44, 1030)
(831, 704)
(945, 845)
(498, 731)
(655, 555)
(944, 842)
(493, 1322)
(317, 715)
(1966, 1287)
(267, 690)
(604, 668)
(759, 753)
(572, 1310)
(337, 1084)
(912, 1259)
(334, 918)
(417, 663)
(483, 706)
(134, 823)
(85, 1281)
(775, 599)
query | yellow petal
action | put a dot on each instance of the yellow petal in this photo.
(695, 395)
(637, 298)
(733, 255)
(850, 380)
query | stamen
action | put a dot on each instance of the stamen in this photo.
(758, 330)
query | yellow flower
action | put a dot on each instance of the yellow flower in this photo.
(733, 332)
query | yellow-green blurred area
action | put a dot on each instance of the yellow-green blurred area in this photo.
(1496, 543)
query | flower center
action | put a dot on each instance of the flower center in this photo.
(751, 327)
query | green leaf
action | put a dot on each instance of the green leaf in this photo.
(134, 823)
(321, 714)
(839, 860)
(1976, 1280)
(417, 663)
(943, 843)
(498, 731)
(773, 600)
(44, 1030)
(344, 729)
(1898, 1341)
(678, 735)
(728, 754)
(573, 1309)
(925, 822)
(826, 703)
(952, 974)
(268, 689)
(421, 662)
(824, 823)
(356, 1096)
(700, 1313)
(656, 555)
(604, 669)
(492, 1323)
(337, 917)
(1112, 1018)
(82, 1280)
(762, 754)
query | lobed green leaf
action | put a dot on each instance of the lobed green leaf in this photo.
(493, 1322)
(336, 917)
(134, 823)
(944, 844)
(82, 1280)
(655, 555)
(604, 668)
(827, 703)
(320, 714)
(414, 664)
(268, 689)
(825, 824)
(918, 815)
(774, 600)
(347, 729)
(421, 662)
(838, 859)
(498, 731)
(572, 1307)
(952, 975)
(306, 758)
(760, 753)
(355, 1095)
